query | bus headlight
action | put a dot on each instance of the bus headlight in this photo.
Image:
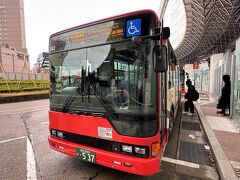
(139, 150)
(126, 148)
(54, 132)
(60, 134)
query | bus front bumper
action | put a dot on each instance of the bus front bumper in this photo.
(135, 165)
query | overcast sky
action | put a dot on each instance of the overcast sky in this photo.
(45, 17)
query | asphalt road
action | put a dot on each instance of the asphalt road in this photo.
(25, 153)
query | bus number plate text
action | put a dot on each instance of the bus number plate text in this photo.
(86, 155)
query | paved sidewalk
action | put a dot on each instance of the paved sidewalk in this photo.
(223, 134)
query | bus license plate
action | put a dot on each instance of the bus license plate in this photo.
(86, 155)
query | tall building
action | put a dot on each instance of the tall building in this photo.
(12, 24)
(14, 56)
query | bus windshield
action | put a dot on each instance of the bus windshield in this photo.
(121, 73)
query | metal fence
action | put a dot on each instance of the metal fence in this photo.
(24, 76)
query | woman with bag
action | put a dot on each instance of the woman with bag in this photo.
(190, 96)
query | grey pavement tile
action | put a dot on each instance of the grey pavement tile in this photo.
(193, 152)
(191, 126)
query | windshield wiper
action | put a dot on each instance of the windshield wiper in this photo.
(104, 102)
(69, 99)
(80, 88)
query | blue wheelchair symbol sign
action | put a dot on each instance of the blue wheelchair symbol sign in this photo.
(133, 28)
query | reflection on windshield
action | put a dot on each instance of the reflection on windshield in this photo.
(122, 73)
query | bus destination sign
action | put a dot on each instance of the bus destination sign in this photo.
(88, 36)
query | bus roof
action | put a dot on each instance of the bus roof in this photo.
(106, 19)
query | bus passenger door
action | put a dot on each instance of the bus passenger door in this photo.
(163, 105)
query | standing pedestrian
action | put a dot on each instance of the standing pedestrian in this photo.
(224, 101)
(190, 96)
(188, 82)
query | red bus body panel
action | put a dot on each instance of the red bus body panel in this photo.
(88, 126)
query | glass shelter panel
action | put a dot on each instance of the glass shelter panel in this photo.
(237, 82)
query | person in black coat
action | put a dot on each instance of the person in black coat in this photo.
(224, 101)
(189, 96)
(188, 82)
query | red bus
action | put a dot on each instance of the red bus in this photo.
(117, 101)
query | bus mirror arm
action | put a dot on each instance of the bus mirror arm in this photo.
(160, 33)
(140, 39)
(155, 35)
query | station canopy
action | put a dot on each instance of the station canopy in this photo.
(212, 26)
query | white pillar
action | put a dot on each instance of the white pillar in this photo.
(214, 65)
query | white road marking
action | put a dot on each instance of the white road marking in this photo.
(31, 165)
(26, 108)
(180, 162)
(45, 122)
(13, 139)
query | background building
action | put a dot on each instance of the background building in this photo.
(14, 57)
(42, 65)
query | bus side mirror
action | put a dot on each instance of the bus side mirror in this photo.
(160, 62)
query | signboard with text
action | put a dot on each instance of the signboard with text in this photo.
(98, 34)
(101, 33)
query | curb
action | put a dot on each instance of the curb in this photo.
(25, 97)
(224, 167)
